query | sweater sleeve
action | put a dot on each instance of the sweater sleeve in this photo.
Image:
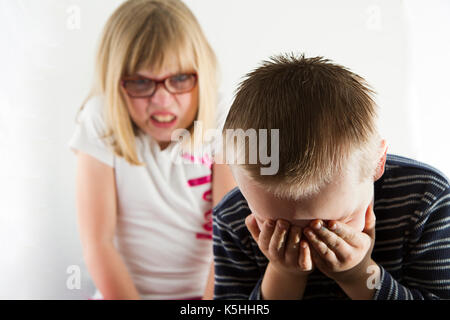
(426, 265)
(256, 292)
(236, 272)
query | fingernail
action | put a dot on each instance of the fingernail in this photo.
(332, 226)
(281, 243)
(317, 225)
(297, 239)
(270, 223)
(282, 224)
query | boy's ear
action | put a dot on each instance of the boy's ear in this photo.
(382, 161)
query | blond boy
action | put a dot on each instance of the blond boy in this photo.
(309, 230)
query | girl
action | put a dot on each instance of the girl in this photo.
(144, 220)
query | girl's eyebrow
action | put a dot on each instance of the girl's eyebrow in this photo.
(141, 75)
(156, 78)
(135, 75)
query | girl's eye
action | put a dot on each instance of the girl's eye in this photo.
(181, 83)
(140, 82)
(179, 78)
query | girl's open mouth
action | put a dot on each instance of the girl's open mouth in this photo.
(163, 120)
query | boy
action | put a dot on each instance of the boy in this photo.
(309, 230)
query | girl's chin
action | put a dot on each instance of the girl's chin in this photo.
(160, 135)
(162, 141)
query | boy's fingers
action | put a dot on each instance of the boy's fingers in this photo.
(348, 234)
(278, 242)
(340, 248)
(293, 245)
(316, 259)
(266, 235)
(320, 247)
(252, 226)
(304, 259)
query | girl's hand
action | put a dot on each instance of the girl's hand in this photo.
(340, 252)
(282, 244)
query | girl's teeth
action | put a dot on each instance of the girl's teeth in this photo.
(166, 118)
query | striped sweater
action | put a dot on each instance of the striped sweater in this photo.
(412, 244)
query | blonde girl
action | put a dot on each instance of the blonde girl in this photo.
(144, 219)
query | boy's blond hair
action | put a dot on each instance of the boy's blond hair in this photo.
(326, 119)
(154, 34)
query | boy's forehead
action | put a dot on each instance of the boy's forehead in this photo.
(333, 203)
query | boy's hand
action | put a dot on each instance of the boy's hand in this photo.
(340, 252)
(282, 245)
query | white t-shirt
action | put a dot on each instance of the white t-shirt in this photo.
(164, 222)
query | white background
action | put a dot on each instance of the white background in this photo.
(402, 48)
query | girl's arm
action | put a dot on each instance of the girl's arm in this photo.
(97, 210)
(222, 183)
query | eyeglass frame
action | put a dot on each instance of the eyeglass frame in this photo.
(157, 82)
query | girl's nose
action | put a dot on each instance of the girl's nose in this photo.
(162, 97)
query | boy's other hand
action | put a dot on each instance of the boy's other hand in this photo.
(340, 252)
(283, 245)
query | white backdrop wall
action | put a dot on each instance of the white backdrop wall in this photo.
(47, 50)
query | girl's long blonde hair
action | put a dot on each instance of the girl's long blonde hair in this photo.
(143, 34)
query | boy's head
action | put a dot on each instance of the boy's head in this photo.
(330, 152)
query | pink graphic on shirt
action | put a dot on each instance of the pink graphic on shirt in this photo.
(199, 181)
(207, 195)
(205, 160)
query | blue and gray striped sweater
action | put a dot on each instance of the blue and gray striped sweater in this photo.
(412, 245)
